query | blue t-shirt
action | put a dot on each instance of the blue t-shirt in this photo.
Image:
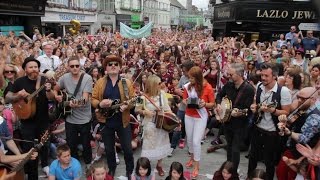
(72, 172)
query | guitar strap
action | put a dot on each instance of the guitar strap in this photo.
(38, 83)
(78, 86)
(125, 88)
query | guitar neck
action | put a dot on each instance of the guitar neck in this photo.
(32, 95)
(23, 161)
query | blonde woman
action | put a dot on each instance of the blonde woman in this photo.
(156, 144)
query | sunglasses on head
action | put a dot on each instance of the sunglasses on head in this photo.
(73, 66)
(113, 63)
(9, 71)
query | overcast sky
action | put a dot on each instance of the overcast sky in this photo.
(198, 3)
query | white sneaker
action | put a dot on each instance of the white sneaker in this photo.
(46, 170)
(171, 153)
(117, 159)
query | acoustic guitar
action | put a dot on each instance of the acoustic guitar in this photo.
(7, 172)
(64, 106)
(103, 113)
(26, 108)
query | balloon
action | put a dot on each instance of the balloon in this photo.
(76, 27)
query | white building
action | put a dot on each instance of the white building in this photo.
(106, 15)
(158, 11)
(59, 13)
(175, 11)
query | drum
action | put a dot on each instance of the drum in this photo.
(226, 109)
(167, 121)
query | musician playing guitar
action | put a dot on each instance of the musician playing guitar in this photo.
(34, 126)
(79, 85)
(241, 94)
(107, 89)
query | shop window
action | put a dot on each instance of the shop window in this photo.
(57, 1)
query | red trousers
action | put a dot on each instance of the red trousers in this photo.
(283, 171)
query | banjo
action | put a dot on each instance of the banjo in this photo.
(224, 115)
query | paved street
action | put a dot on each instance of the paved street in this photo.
(209, 162)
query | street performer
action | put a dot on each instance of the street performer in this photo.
(272, 100)
(33, 127)
(107, 89)
(78, 85)
(304, 128)
(241, 94)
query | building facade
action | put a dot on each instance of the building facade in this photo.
(106, 15)
(59, 13)
(175, 12)
(128, 12)
(17, 15)
(263, 19)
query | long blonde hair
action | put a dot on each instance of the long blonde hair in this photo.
(152, 85)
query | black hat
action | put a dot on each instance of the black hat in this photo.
(29, 59)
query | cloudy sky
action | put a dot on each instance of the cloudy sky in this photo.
(198, 3)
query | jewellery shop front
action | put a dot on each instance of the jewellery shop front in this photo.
(260, 20)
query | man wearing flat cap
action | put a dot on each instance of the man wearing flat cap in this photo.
(106, 90)
(34, 126)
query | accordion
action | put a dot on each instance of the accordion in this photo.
(193, 103)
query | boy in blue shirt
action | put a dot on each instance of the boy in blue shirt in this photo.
(65, 167)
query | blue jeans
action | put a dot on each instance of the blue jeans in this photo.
(178, 134)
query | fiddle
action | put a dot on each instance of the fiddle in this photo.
(293, 117)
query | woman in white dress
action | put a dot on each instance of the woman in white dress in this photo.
(156, 143)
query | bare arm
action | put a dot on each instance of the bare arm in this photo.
(11, 97)
(13, 147)
(51, 178)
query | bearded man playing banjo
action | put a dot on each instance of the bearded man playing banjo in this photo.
(235, 120)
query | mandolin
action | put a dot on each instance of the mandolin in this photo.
(258, 114)
(26, 108)
(6, 171)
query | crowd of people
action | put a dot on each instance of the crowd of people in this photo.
(107, 93)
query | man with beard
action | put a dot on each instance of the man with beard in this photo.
(33, 127)
(265, 138)
(241, 94)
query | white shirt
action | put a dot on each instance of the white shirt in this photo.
(266, 97)
(46, 62)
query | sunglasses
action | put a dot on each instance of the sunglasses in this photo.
(266, 56)
(73, 66)
(113, 63)
(298, 53)
(80, 51)
(302, 98)
(9, 71)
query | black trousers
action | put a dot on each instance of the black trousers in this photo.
(233, 137)
(264, 144)
(31, 131)
(72, 135)
(124, 134)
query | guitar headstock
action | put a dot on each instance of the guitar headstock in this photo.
(44, 138)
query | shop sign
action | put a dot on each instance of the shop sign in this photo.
(283, 14)
(309, 26)
(67, 17)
